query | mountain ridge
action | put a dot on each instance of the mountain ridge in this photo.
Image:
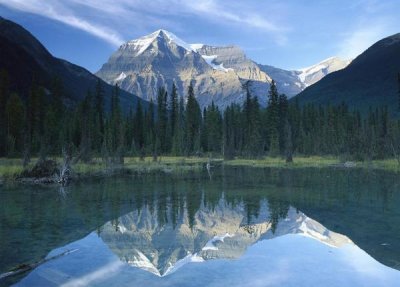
(218, 72)
(221, 233)
(26, 60)
(370, 80)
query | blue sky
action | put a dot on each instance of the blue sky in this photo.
(286, 34)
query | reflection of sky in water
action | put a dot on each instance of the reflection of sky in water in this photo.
(300, 252)
(291, 260)
(162, 226)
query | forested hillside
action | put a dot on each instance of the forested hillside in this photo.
(174, 127)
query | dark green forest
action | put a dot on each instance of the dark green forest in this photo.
(42, 126)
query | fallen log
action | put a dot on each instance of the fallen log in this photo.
(26, 267)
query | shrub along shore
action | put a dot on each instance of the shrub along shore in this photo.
(13, 171)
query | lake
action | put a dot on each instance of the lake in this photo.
(241, 227)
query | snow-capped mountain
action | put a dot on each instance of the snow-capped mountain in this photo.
(161, 58)
(356, 85)
(143, 65)
(221, 232)
(293, 82)
(311, 75)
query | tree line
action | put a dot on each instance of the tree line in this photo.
(42, 126)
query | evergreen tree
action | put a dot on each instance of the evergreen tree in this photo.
(252, 137)
(213, 129)
(232, 136)
(85, 144)
(138, 132)
(398, 86)
(162, 120)
(273, 119)
(283, 107)
(204, 132)
(98, 129)
(178, 144)
(288, 142)
(116, 128)
(173, 107)
(150, 138)
(4, 94)
(35, 120)
(15, 123)
(193, 123)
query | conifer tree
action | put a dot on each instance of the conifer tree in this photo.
(98, 110)
(213, 127)
(3, 101)
(138, 132)
(273, 119)
(150, 137)
(162, 120)
(15, 122)
(204, 132)
(283, 107)
(288, 143)
(193, 123)
(178, 146)
(116, 133)
(173, 111)
(398, 87)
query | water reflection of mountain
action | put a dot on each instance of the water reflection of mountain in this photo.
(360, 204)
(223, 231)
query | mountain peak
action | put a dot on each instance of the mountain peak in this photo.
(141, 44)
(325, 62)
(312, 74)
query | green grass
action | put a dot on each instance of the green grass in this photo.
(314, 161)
(11, 168)
(278, 162)
(164, 164)
(387, 164)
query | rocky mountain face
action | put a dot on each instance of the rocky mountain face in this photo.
(143, 65)
(140, 239)
(24, 58)
(370, 80)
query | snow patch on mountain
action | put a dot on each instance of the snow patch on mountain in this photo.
(210, 60)
(141, 44)
(120, 77)
(190, 258)
(142, 262)
(196, 47)
(310, 75)
(210, 245)
(178, 41)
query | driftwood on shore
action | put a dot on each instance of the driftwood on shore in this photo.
(48, 172)
(26, 267)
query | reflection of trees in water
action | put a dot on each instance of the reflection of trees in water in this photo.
(168, 199)
(352, 202)
(278, 210)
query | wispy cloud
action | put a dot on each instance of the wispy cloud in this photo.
(241, 15)
(363, 35)
(369, 27)
(358, 40)
(107, 18)
(57, 11)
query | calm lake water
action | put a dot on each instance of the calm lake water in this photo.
(243, 227)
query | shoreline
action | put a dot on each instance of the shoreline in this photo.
(11, 169)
